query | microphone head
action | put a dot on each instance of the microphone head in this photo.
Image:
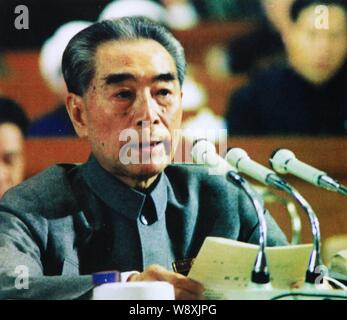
(234, 155)
(201, 147)
(279, 159)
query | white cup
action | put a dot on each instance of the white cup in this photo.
(156, 290)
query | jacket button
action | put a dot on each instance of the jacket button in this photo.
(143, 220)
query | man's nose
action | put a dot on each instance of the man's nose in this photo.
(147, 110)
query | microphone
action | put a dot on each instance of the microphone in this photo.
(284, 161)
(204, 152)
(240, 159)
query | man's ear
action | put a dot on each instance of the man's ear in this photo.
(76, 108)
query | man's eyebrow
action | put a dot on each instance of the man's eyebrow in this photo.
(115, 78)
(167, 77)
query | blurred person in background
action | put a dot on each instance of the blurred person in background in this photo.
(56, 122)
(13, 126)
(180, 14)
(174, 14)
(199, 120)
(307, 96)
(264, 46)
(256, 49)
(134, 8)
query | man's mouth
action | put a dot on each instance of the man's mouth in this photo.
(147, 146)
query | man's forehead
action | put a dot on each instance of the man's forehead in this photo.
(128, 52)
(334, 15)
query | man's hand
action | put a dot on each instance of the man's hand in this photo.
(185, 289)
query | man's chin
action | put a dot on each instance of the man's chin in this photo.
(146, 171)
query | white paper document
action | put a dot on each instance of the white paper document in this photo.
(224, 265)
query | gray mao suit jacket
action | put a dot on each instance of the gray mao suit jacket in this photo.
(69, 221)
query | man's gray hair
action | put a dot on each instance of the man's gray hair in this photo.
(78, 63)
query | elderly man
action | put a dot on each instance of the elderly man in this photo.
(72, 221)
(13, 126)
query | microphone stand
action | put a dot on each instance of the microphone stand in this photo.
(332, 185)
(260, 273)
(343, 190)
(295, 220)
(315, 262)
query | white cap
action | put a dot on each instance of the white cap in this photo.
(52, 52)
(194, 95)
(126, 8)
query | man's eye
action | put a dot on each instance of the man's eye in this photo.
(124, 94)
(164, 92)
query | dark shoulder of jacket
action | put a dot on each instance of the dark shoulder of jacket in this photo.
(194, 177)
(245, 99)
(272, 77)
(46, 193)
(264, 85)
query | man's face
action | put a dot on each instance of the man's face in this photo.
(11, 156)
(317, 53)
(135, 90)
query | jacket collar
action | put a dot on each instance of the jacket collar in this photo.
(120, 197)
